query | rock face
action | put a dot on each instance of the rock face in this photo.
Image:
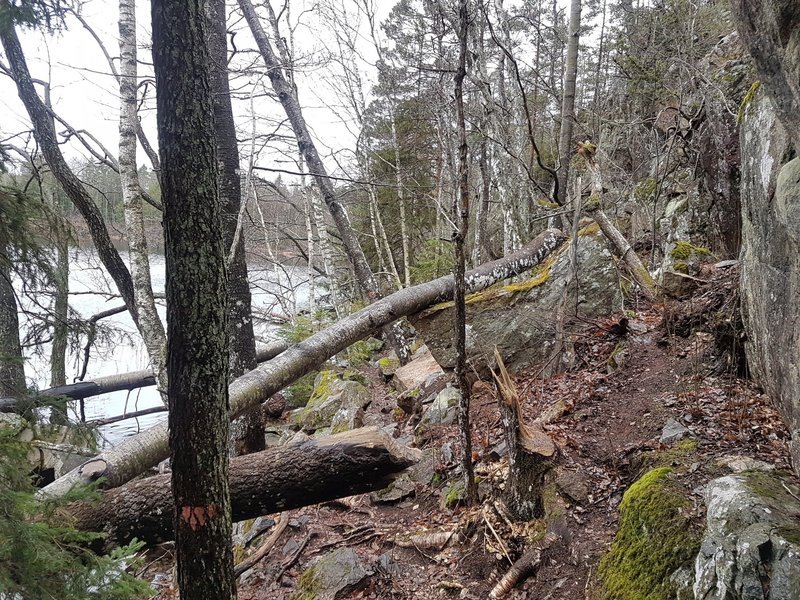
(770, 260)
(728, 75)
(520, 318)
(335, 575)
(751, 548)
(335, 403)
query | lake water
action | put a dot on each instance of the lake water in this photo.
(275, 292)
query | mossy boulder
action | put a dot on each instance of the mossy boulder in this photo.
(751, 548)
(333, 576)
(520, 317)
(655, 539)
(336, 402)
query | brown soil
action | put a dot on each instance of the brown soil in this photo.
(607, 438)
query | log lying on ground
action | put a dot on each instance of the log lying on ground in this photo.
(274, 480)
(133, 455)
(125, 381)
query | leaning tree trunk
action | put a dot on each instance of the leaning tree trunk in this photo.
(461, 217)
(637, 270)
(45, 134)
(248, 431)
(288, 99)
(132, 456)
(262, 483)
(197, 334)
(568, 101)
(150, 325)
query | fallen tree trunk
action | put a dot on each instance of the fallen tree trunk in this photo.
(132, 456)
(636, 269)
(274, 480)
(124, 381)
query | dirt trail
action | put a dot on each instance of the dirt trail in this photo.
(608, 436)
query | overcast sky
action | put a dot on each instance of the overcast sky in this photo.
(84, 92)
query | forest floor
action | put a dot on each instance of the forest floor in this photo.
(608, 436)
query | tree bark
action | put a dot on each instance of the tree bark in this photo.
(197, 324)
(461, 216)
(262, 483)
(248, 431)
(12, 372)
(568, 101)
(58, 354)
(531, 452)
(45, 134)
(135, 454)
(150, 325)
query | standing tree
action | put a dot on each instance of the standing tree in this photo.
(568, 102)
(197, 346)
(249, 430)
(460, 239)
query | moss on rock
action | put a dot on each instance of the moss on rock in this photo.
(655, 538)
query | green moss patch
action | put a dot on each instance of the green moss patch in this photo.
(655, 538)
(684, 250)
(748, 98)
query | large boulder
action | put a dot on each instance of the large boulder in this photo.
(520, 318)
(751, 547)
(336, 403)
(333, 576)
(770, 259)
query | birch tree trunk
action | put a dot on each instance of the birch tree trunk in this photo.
(401, 198)
(197, 342)
(135, 454)
(637, 270)
(568, 101)
(150, 325)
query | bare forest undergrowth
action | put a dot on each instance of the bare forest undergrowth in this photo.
(664, 364)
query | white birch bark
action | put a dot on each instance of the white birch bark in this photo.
(150, 325)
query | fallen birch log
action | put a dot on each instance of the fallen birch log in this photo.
(124, 381)
(133, 455)
(277, 479)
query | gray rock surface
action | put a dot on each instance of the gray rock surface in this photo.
(414, 374)
(673, 431)
(333, 576)
(519, 318)
(335, 403)
(770, 260)
(751, 547)
(442, 411)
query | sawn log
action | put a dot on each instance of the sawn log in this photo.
(274, 480)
